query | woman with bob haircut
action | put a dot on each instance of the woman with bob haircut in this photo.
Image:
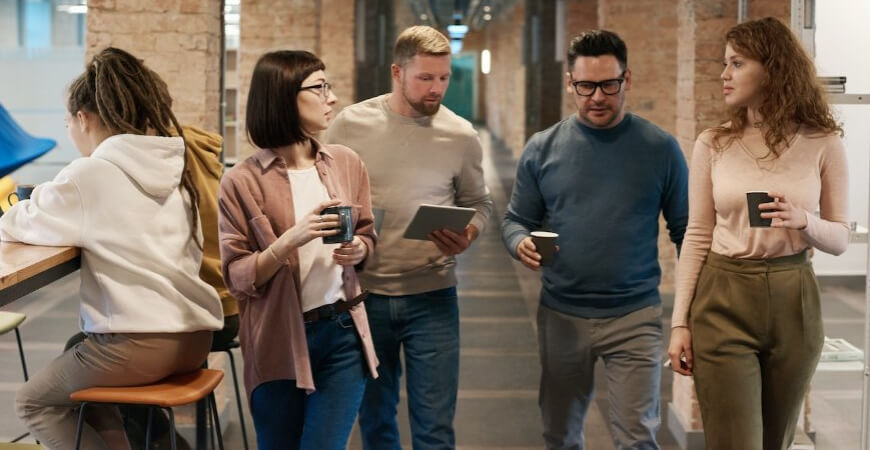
(747, 321)
(130, 204)
(304, 331)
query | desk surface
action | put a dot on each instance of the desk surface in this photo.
(25, 268)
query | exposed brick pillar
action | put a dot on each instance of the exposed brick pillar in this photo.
(580, 15)
(649, 29)
(505, 87)
(336, 49)
(543, 67)
(180, 40)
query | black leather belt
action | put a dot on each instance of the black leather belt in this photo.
(333, 309)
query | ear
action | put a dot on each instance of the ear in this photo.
(83, 121)
(396, 72)
(569, 88)
(627, 80)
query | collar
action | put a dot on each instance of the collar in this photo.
(266, 157)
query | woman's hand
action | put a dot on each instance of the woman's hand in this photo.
(309, 227)
(350, 253)
(783, 213)
(680, 351)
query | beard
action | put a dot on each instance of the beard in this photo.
(421, 106)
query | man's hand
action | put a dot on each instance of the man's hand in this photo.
(451, 243)
(527, 252)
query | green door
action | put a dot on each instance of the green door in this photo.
(460, 96)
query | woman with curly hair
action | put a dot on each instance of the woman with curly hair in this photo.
(747, 322)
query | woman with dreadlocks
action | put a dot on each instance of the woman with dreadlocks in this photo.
(130, 205)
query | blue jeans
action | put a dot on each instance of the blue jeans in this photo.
(287, 418)
(427, 325)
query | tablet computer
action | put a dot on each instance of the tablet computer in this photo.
(435, 217)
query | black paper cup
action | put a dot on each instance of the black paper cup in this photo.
(345, 221)
(753, 199)
(545, 244)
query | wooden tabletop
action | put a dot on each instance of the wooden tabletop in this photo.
(25, 268)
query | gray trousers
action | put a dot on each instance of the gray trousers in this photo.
(631, 349)
(102, 360)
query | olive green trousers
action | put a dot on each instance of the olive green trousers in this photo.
(756, 336)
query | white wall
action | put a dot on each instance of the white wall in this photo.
(842, 37)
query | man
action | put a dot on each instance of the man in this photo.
(416, 151)
(599, 180)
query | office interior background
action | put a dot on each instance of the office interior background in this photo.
(508, 78)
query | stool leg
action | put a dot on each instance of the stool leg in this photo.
(148, 429)
(171, 429)
(217, 421)
(21, 353)
(79, 425)
(238, 398)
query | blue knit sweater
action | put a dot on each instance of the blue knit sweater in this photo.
(602, 190)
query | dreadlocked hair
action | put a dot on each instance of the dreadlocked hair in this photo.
(130, 98)
(793, 95)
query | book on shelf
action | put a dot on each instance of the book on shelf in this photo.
(838, 349)
(832, 80)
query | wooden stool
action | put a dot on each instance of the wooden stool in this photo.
(167, 393)
(5, 446)
(10, 321)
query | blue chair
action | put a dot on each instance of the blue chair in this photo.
(17, 147)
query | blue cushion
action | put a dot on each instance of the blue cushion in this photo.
(17, 147)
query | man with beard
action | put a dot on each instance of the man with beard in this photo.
(599, 179)
(416, 151)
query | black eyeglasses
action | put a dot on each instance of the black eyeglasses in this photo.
(322, 89)
(608, 87)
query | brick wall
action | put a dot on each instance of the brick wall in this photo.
(506, 83)
(180, 40)
(648, 28)
(580, 15)
(324, 27)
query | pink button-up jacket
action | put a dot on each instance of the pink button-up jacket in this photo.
(256, 206)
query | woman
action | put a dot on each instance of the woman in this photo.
(130, 205)
(304, 330)
(747, 321)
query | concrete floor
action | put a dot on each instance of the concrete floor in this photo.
(499, 372)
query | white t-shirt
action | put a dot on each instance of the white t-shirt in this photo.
(318, 272)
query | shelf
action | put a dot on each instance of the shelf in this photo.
(849, 99)
(858, 235)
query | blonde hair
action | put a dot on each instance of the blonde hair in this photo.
(419, 39)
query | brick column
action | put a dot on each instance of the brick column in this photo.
(580, 15)
(336, 48)
(505, 87)
(180, 40)
(269, 25)
(649, 29)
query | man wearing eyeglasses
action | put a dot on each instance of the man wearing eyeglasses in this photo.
(599, 179)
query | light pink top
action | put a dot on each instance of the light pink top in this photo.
(811, 173)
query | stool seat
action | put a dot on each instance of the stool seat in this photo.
(10, 321)
(175, 390)
(16, 446)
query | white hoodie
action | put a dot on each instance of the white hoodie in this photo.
(124, 208)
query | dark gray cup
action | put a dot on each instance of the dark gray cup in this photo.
(545, 244)
(22, 192)
(753, 199)
(345, 220)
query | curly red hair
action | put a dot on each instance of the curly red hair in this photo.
(794, 97)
